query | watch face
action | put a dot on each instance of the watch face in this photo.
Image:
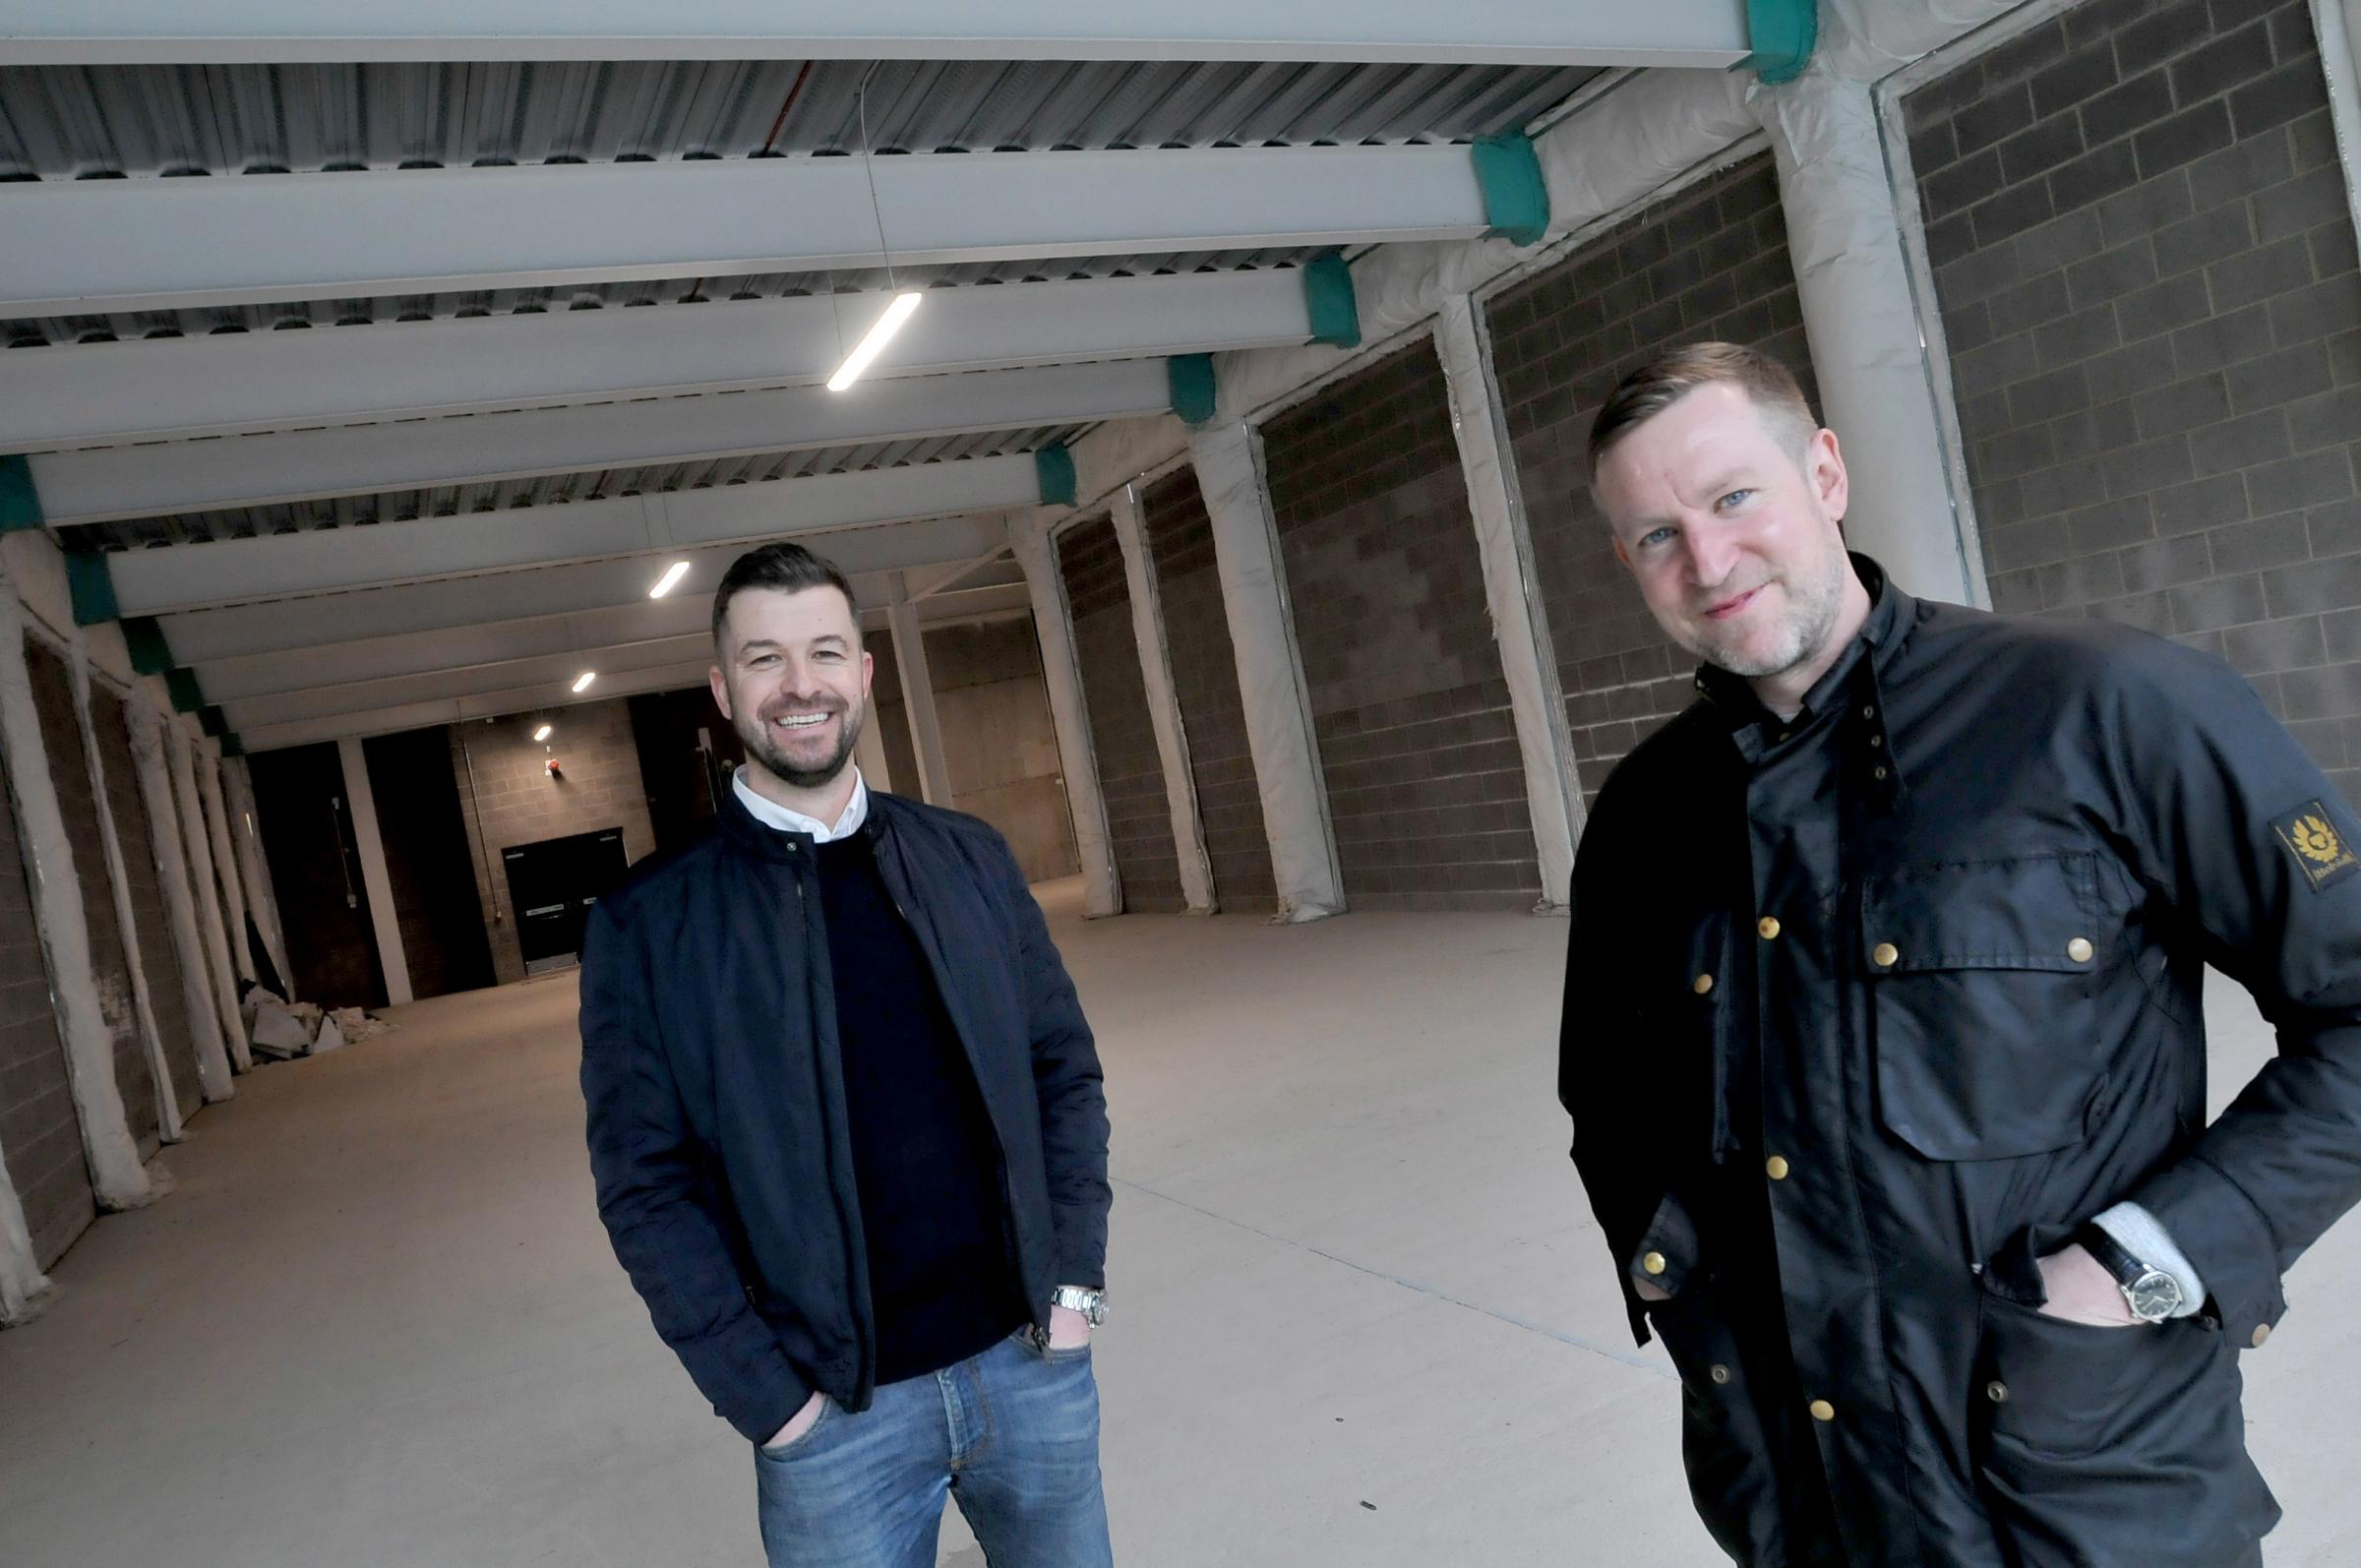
(2154, 1295)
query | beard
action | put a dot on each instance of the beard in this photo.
(761, 743)
(1813, 608)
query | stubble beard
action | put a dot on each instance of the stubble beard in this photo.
(763, 747)
(1813, 610)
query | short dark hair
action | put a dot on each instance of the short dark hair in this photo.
(787, 566)
(1674, 374)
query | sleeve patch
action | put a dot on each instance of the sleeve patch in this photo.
(2318, 850)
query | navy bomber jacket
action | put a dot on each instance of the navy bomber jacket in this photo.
(715, 1093)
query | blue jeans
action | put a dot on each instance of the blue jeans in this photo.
(1012, 1435)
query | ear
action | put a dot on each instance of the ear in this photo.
(869, 673)
(1824, 466)
(721, 692)
(1621, 554)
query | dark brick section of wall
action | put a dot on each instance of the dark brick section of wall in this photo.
(40, 1138)
(1426, 785)
(1197, 630)
(1122, 735)
(421, 828)
(152, 926)
(2148, 279)
(315, 865)
(514, 801)
(1709, 264)
(110, 966)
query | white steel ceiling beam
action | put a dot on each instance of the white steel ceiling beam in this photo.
(611, 663)
(103, 484)
(553, 695)
(170, 577)
(202, 637)
(76, 247)
(1687, 33)
(100, 394)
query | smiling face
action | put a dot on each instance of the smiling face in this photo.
(793, 681)
(1733, 534)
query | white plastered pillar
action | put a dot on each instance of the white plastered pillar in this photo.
(1877, 390)
(1520, 623)
(254, 866)
(111, 845)
(151, 763)
(918, 693)
(1227, 459)
(117, 1178)
(1070, 714)
(196, 841)
(868, 755)
(377, 885)
(2336, 24)
(1163, 705)
(225, 858)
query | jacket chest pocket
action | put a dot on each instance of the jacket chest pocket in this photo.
(1980, 1002)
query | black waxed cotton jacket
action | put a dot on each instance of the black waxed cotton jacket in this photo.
(1868, 1010)
(715, 1088)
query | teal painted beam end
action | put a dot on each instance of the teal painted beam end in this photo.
(1781, 35)
(231, 746)
(20, 504)
(1516, 201)
(1054, 467)
(1191, 379)
(92, 587)
(144, 641)
(213, 720)
(186, 695)
(1328, 298)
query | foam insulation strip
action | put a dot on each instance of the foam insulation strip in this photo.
(1163, 705)
(225, 859)
(111, 845)
(2337, 26)
(1520, 624)
(117, 1178)
(151, 760)
(180, 748)
(1270, 670)
(1070, 714)
(254, 866)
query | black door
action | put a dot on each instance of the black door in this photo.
(552, 885)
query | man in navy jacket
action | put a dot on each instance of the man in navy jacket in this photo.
(848, 1129)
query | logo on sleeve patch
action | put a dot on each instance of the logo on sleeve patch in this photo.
(2319, 849)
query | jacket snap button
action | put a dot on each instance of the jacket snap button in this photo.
(1877, 772)
(2261, 1333)
(1654, 1263)
(1823, 1410)
(1885, 955)
(1719, 1373)
(1702, 983)
(1766, 928)
(2079, 949)
(1997, 1392)
(1776, 1167)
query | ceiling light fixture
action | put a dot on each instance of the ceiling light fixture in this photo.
(873, 343)
(581, 682)
(542, 734)
(671, 580)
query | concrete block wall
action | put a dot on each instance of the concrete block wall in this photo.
(1197, 630)
(1122, 735)
(110, 964)
(40, 1137)
(151, 926)
(514, 801)
(2147, 272)
(993, 707)
(1426, 785)
(1708, 262)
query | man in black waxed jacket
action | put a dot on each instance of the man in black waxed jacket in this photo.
(1883, 1035)
(848, 1129)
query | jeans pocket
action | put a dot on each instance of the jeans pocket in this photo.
(1041, 1350)
(2115, 1444)
(803, 1440)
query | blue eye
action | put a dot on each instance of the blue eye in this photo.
(1655, 537)
(1735, 498)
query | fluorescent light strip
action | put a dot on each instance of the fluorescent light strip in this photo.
(873, 345)
(582, 681)
(541, 734)
(671, 579)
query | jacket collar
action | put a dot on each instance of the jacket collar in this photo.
(747, 835)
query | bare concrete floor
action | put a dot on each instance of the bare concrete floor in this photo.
(1361, 1316)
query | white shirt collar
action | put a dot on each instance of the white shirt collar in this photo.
(770, 814)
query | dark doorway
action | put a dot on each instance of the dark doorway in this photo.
(688, 752)
(428, 862)
(316, 871)
(552, 885)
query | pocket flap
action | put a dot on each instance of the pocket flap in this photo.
(2029, 912)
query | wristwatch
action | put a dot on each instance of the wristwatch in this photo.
(1091, 1304)
(2152, 1293)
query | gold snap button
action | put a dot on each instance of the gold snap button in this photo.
(1997, 1392)
(2079, 949)
(1783, 735)
(1885, 955)
(1654, 1263)
(1823, 1410)
(1776, 1167)
(1766, 928)
(1719, 1373)
(2261, 1333)
(1702, 983)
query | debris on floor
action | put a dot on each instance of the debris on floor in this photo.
(282, 1029)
